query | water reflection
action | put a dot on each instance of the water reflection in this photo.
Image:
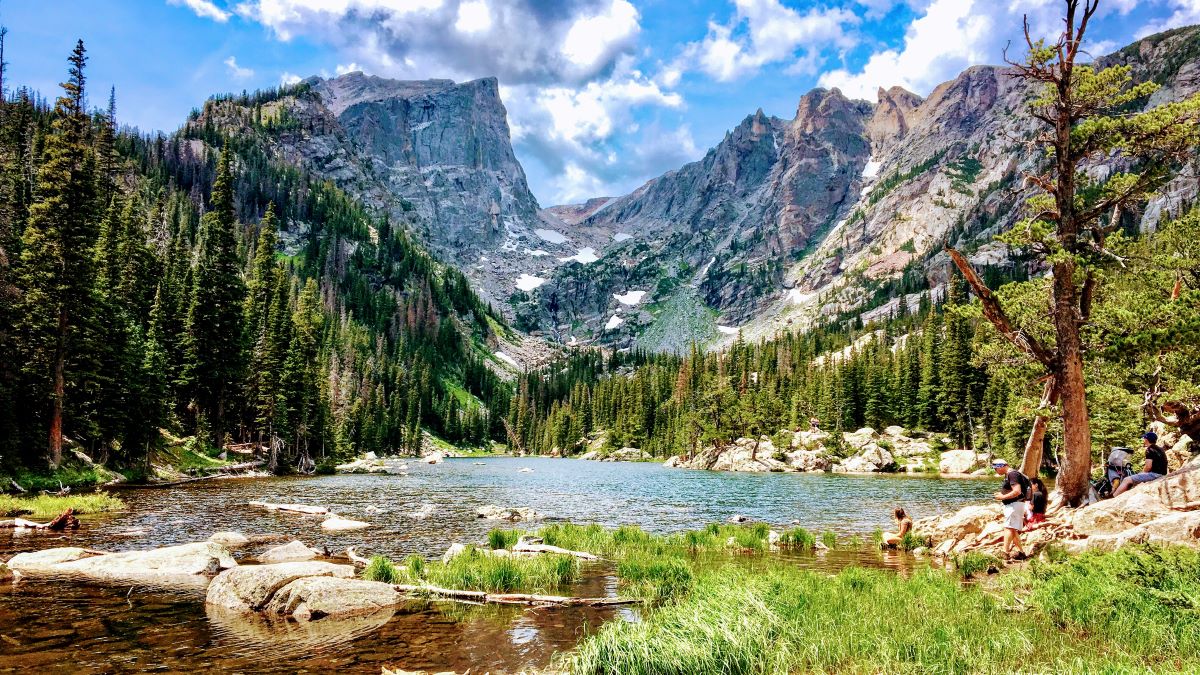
(51, 626)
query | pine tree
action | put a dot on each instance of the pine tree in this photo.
(214, 352)
(57, 249)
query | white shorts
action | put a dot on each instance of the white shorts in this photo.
(1014, 516)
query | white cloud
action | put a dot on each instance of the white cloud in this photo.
(1183, 13)
(566, 71)
(949, 36)
(342, 69)
(591, 39)
(289, 78)
(238, 72)
(762, 32)
(205, 9)
(473, 17)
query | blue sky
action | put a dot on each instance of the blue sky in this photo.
(602, 94)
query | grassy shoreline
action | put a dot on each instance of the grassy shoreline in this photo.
(48, 506)
(1136, 609)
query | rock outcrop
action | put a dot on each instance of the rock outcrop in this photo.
(290, 552)
(250, 588)
(170, 564)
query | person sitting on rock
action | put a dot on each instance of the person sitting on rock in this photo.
(1037, 504)
(1014, 492)
(1155, 468)
(904, 524)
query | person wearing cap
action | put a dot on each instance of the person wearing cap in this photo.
(1014, 491)
(1155, 468)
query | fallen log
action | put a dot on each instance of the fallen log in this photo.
(65, 520)
(221, 472)
(356, 558)
(534, 545)
(293, 508)
(17, 486)
(534, 600)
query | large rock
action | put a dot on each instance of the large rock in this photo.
(183, 560)
(167, 565)
(860, 439)
(960, 461)
(290, 552)
(1179, 491)
(969, 521)
(743, 455)
(251, 587)
(230, 539)
(39, 560)
(871, 459)
(1180, 453)
(808, 460)
(320, 596)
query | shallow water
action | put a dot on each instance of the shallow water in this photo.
(48, 626)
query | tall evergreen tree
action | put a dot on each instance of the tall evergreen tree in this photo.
(214, 359)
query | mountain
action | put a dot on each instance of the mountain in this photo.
(839, 211)
(433, 153)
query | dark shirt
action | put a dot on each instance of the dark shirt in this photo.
(1039, 501)
(1013, 479)
(1157, 458)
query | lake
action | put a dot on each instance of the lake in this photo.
(52, 626)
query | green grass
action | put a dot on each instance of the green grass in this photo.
(973, 564)
(499, 539)
(71, 474)
(1085, 615)
(45, 506)
(655, 578)
(477, 570)
(798, 538)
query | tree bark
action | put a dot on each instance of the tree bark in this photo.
(59, 393)
(1077, 432)
(1031, 463)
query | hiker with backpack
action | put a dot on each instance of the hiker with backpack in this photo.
(1155, 468)
(1014, 492)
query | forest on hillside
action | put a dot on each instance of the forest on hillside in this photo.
(145, 287)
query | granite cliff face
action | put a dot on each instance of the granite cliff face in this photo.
(434, 155)
(842, 210)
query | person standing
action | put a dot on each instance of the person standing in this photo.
(1155, 467)
(1014, 491)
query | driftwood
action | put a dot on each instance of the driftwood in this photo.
(535, 545)
(482, 597)
(293, 508)
(221, 471)
(65, 521)
(17, 486)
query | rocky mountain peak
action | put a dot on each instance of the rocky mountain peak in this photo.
(890, 121)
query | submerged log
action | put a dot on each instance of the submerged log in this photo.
(66, 520)
(293, 508)
(482, 597)
(535, 545)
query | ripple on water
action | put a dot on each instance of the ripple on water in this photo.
(54, 627)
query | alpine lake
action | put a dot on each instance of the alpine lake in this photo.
(55, 625)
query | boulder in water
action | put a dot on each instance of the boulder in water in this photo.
(512, 514)
(320, 596)
(290, 552)
(230, 539)
(251, 587)
(338, 523)
(38, 560)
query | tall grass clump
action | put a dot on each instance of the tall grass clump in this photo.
(973, 563)
(656, 578)
(502, 539)
(382, 569)
(912, 541)
(829, 539)
(48, 506)
(475, 570)
(798, 538)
